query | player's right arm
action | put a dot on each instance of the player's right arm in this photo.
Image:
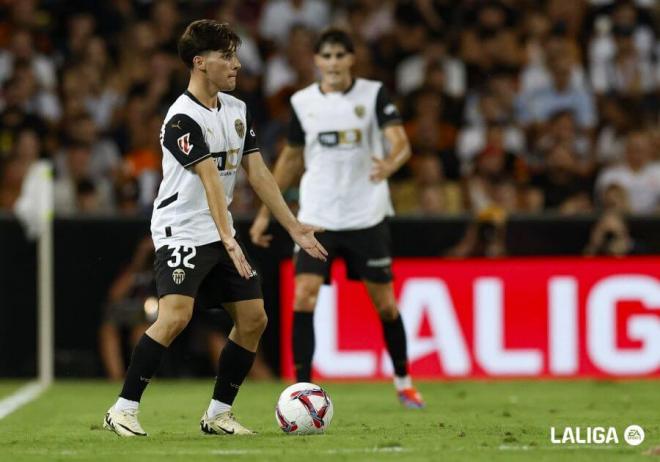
(217, 201)
(182, 136)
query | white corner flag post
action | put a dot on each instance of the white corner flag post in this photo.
(35, 210)
(46, 322)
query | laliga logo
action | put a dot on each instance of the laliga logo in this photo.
(568, 338)
(633, 435)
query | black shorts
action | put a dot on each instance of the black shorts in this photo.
(365, 251)
(205, 273)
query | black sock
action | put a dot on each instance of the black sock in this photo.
(303, 345)
(144, 363)
(233, 366)
(395, 339)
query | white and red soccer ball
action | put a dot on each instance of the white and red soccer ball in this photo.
(303, 409)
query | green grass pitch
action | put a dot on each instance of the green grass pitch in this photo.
(465, 421)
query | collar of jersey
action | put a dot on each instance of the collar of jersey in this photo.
(350, 87)
(192, 97)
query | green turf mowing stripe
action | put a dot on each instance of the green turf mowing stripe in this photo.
(464, 421)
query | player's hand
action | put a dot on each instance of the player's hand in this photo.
(258, 231)
(303, 235)
(380, 170)
(236, 254)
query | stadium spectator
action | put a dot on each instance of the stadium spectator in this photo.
(610, 236)
(638, 175)
(279, 16)
(74, 180)
(618, 118)
(484, 237)
(535, 107)
(21, 50)
(562, 185)
(627, 72)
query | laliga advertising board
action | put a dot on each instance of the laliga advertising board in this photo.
(544, 317)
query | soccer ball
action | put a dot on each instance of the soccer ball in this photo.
(303, 409)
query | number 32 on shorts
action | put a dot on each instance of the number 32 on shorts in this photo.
(182, 252)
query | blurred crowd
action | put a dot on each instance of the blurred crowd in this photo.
(519, 105)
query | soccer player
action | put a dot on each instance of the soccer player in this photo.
(206, 136)
(338, 135)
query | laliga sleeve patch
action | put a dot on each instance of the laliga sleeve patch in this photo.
(183, 138)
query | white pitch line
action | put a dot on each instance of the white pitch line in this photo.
(19, 398)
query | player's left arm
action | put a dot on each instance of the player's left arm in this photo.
(389, 121)
(398, 154)
(264, 184)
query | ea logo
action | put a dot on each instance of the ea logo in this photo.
(178, 275)
(634, 435)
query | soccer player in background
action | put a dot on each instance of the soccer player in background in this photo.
(206, 136)
(338, 135)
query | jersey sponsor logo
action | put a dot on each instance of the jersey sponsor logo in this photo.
(178, 275)
(360, 110)
(177, 124)
(343, 138)
(240, 127)
(226, 160)
(184, 144)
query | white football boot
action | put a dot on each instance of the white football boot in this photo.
(123, 423)
(223, 424)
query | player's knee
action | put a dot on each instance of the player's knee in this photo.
(179, 320)
(306, 296)
(254, 324)
(388, 312)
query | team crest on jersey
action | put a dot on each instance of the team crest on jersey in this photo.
(240, 127)
(184, 143)
(359, 110)
(178, 275)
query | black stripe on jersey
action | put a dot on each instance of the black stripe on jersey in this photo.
(183, 137)
(250, 144)
(168, 201)
(296, 135)
(386, 111)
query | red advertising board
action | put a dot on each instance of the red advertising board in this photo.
(550, 317)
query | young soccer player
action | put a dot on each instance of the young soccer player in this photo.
(206, 136)
(338, 135)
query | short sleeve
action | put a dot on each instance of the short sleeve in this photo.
(386, 111)
(296, 136)
(183, 137)
(250, 144)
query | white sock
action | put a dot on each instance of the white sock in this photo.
(401, 383)
(126, 405)
(216, 407)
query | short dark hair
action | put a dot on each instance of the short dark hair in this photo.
(206, 35)
(334, 36)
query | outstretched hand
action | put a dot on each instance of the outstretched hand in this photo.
(303, 235)
(236, 254)
(258, 231)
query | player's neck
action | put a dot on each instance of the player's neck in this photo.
(342, 86)
(204, 91)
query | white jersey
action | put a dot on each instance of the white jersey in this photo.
(192, 132)
(340, 132)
